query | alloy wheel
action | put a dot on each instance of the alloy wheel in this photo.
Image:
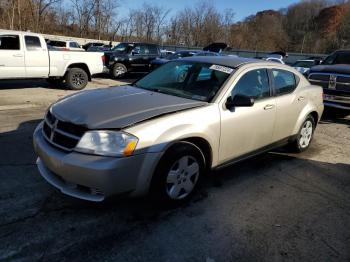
(182, 177)
(306, 134)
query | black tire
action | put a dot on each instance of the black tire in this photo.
(119, 70)
(299, 145)
(161, 187)
(76, 79)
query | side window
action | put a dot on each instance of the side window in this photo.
(144, 50)
(9, 42)
(32, 43)
(284, 81)
(73, 45)
(254, 84)
(152, 49)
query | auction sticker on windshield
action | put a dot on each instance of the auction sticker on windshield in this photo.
(220, 68)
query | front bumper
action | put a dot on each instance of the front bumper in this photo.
(91, 177)
(337, 101)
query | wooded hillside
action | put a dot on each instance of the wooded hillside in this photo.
(315, 26)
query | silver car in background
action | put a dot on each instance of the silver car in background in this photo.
(161, 134)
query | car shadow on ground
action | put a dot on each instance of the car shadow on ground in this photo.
(337, 116)
(25, 83)
(54, 226)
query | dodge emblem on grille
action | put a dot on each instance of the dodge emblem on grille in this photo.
(332, 82)
(53, 129)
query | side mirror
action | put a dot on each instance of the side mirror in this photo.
(239, 101)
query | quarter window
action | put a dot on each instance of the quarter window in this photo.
(32, 43)
(284, 81)
(9, 42)
(254, 84)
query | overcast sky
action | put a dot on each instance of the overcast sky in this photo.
(241, 8)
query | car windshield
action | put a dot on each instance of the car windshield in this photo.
(192, 80)
(305, 64)
(122, 48)
(337, 58)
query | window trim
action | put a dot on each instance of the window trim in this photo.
(296, 81)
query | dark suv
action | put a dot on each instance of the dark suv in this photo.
(334, 76)
(131, 58)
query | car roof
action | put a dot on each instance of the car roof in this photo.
(229, 61)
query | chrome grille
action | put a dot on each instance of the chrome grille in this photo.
(63, 135)
(331, 81)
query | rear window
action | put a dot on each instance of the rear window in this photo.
(337, 58)
(9, 42)
(57, 43)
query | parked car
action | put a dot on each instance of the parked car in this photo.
(161, 134)
(65, 45)
(334, 76)
(130, 58)
(91, 44)
(103, 48)
(178, 55)
(26, 55)
(303, 66)
(276, 59)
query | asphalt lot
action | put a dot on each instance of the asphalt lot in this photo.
(275, 207)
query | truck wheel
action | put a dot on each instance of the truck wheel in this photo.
(119, 70)
(304, 136)
(178, 173)
(76, 79)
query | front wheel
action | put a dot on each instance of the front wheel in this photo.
(76, 79)
(178, 173)
(304, 136)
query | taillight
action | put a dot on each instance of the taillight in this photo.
(103, 59)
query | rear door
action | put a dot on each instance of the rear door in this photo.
(37, 57)
(289, 102)
(11, 56)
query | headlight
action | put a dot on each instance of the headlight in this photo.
(107, 143)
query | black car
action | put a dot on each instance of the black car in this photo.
(88, 45)
(334, 76)
(180, 54)
(131, 58)
(213, 49)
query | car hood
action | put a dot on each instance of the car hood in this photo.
(336, 69)
(118, 107)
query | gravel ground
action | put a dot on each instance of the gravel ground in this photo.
(275, 207)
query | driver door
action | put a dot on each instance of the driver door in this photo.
(247, 129)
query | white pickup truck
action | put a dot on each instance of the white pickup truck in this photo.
(26, 55)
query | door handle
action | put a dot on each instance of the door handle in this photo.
(268, 107)
(301, 98)
(18, 55)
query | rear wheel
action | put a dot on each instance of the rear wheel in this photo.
(304, 136)
(76, 79)
(119, 70)
(178, 173)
